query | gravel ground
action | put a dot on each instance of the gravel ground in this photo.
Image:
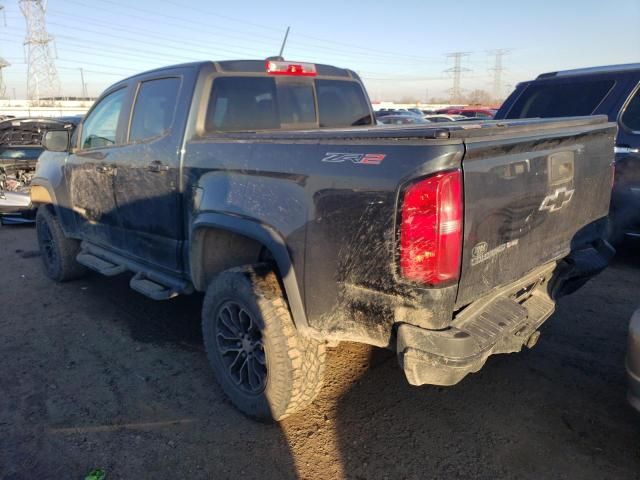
(96, 375)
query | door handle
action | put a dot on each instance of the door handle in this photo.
(157, 166)
(104, 168)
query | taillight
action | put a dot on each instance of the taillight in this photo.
(431, 229)
(276, 67)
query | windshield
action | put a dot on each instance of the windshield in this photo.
(20, 153)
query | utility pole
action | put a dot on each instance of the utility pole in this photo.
(3, 63)
(3, 86)
(42, 76)
(84, 85)
(456, 71)
(497, 70)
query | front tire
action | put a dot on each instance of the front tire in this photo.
(57, 251)
(266, 368)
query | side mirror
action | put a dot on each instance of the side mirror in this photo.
(56, 141)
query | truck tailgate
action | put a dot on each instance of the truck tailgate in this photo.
(529, 188)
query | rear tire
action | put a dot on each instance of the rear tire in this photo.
(266, 368)
(57, 251)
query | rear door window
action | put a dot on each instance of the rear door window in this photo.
(560, 99)
(631, 116)
(154, 108)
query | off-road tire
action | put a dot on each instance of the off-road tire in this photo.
(294, 363)
(57, 251)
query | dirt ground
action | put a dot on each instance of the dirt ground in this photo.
(94, 375)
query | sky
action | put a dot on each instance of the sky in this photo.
(399, 48)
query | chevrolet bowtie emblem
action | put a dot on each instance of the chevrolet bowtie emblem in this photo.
(556, 200)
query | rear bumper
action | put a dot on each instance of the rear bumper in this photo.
(633, 361)
(502, 322)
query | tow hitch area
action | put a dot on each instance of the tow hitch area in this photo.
(500, 323)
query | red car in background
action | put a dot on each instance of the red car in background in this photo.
(472, 112)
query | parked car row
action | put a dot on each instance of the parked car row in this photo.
(402, 119)
(407, 116)
(471, 112)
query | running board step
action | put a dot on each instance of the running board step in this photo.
(152, 289)
(100, 265)
(153, 283)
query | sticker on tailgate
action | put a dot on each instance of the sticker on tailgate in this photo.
(481, 253)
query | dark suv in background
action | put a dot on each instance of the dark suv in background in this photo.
(611, 90)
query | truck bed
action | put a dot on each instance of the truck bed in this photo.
(338, 214)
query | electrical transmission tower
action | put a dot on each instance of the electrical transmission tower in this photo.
(3, 62)
(42, 76)
(3, 85)
(497, 70)
(456, 71)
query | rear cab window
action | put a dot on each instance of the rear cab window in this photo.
(250, 103)
(561, 99)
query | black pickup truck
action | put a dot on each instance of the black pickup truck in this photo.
(268, 186)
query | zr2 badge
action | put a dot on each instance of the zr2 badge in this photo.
(357, 158)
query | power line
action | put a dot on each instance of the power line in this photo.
(497, 70)
(42, 77)
(193, 25)
(456, 71)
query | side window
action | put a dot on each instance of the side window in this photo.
(154, 108)
(631, 116)
(561, 99)
(100, 127)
